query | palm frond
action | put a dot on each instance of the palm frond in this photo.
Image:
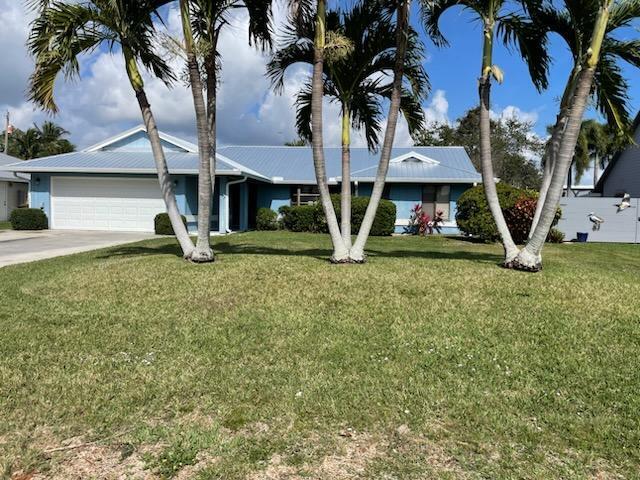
(431, 11)
(531, 41)
(611, 94)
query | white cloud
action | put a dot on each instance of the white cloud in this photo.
(438, 109)
(513, 112)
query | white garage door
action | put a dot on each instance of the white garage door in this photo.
(122, 204)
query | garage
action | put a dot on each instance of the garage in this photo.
(115, 204)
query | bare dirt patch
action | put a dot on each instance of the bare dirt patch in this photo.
(350, 461)
(92, 461)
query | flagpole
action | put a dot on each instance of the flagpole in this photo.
(6, 136)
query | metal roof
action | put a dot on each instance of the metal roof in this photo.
(295, 164)
(288, 165)
(9, 176)
(118, 162)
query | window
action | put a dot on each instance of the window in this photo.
(435, 198)
(304, 194)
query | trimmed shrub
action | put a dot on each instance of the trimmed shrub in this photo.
(29, 219)
(384, 223)
(473, 216)
(302, 218)
(163, 225)
(519, 206)
(266, 219)
(310, 218)
(555, 236)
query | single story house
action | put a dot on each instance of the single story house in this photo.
(13, 188)
(112, 185)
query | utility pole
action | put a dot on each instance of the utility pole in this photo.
(6, 136)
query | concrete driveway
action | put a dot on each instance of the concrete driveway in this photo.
(28, 246)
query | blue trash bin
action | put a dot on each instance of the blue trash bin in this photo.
(582, 237)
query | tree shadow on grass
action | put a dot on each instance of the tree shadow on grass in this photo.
(135, 250)
(322, 254)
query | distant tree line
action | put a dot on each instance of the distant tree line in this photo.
(517, 152)
(37, 141)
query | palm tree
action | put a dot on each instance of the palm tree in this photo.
(26, 145)
(591, 24)
(305, 8)
(51, 139)
(495, 16)
(40, 141)
(63, 32)
(203, 252)
(202, 23)
(573, 24)
(355, 79)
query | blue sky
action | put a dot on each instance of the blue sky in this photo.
(456, 69)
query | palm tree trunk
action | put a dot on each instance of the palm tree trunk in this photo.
(202, 252)
(554, 145)
(357, 251)
(212, 101)
(345, 197)
(550, 160)
(486, 161)
(530, 258)
(166, 185)
(340, 251)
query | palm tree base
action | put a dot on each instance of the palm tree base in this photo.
(525, 262)
(348, 261)
(202, 256)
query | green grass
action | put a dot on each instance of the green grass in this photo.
(5, 225)
(429, 361)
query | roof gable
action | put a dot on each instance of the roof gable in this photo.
(137, 140)
(413, 157)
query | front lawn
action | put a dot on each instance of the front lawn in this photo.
(427, 362)
(5, 225)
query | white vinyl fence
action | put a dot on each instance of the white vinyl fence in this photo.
(619, 226)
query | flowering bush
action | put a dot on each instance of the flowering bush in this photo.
(421, 223)
(519, 218)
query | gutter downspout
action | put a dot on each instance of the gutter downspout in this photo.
(226, 202)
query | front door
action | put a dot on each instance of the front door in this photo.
(4, 213)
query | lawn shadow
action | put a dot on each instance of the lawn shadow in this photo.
(136, 250)
(322, 254)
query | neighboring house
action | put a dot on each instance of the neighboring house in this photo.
(13, 189)
(622, 175)
(112, 185)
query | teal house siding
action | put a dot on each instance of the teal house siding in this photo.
(40, 192)
(273, 196)
(405, 196)
(139, 142)
(456, 192)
